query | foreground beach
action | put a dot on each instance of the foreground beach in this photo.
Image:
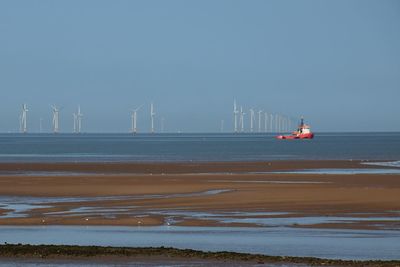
(332, 211)
(173, 193)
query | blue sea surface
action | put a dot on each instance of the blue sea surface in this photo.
(195, 147)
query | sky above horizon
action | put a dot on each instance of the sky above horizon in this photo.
(337, 63)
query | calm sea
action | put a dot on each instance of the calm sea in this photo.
(195, 147)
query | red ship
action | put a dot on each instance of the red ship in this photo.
(302, 132)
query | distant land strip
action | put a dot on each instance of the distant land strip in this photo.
(54, 251)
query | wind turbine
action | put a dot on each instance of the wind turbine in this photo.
(266, 122)
(152, 114)
(79, 117)
(23, 118)
(242, 119)
(56, 114)
(271, 122)
(278, 121)
(20, 122)
(134, 119)
(235, 114)
(259, 120)
(251, 120)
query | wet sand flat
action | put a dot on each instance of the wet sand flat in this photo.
(174, 186)
(183, 167)
(27, 255)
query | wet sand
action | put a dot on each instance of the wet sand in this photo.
(304, 194)
(184, 167)
(18, 255)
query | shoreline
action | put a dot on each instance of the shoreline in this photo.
(167, 254)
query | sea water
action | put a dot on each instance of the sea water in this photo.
(195, 147)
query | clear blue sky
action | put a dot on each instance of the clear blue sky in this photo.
(335, 62)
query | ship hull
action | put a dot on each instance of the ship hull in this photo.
(300, 136)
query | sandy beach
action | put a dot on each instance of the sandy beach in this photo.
(132, 192)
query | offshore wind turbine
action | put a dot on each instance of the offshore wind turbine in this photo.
(235, 114)
(152, 114)
(284, 127)
(279, 123)
(23, 119)
(56, 113)
(79, 116)
(287, 124)
(251, 120)
(134, 119)
(20, 123)
(266, 122)
(271, 122)
(259, 120)
(282, 123)
(242, 119)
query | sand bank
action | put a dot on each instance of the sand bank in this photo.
(148, 190)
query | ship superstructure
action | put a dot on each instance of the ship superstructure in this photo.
(302, 132)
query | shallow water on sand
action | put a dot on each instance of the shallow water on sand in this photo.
(18, 206)
(322, 243)
(343, 171)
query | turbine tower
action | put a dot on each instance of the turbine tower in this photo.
(20, 122)
(56, 112)
(266, 122)
(152, 114)
(23, 118)
(242, 119)
(235, 114)
(259, 120)
(79, 116)
(271, 122)
(278, 123)
(134, 119)
(251, 120)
